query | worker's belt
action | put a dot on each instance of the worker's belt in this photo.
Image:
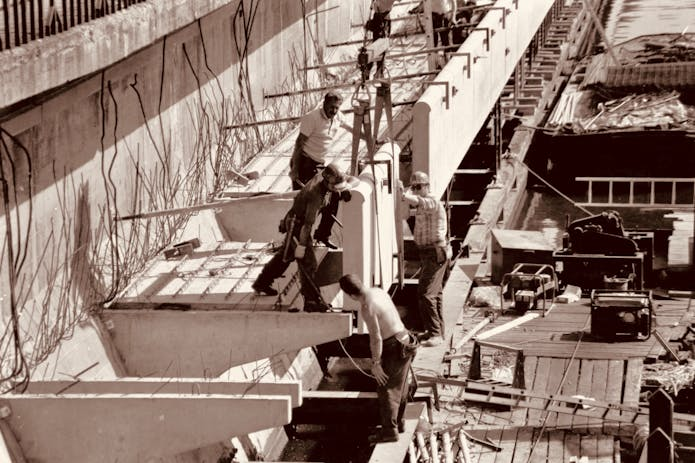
(405, 340)
(439, 252)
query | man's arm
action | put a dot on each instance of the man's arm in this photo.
(418, 201)
(372, 322)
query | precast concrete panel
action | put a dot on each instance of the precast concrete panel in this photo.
(369, 235)
(472, 81)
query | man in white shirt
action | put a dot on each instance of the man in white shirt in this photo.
(317, 130)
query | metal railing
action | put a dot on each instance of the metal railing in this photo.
(24, 21)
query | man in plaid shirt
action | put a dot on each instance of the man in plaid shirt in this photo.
(434, 252)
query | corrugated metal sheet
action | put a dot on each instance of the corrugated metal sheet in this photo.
(669, 75)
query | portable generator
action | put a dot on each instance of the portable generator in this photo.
(621, 315)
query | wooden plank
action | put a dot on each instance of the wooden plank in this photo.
(539, 381)
(605, 449)
(538, 452)
(556, 445)
(632, 385)
(488, 455)
(520, 414)
(599, 380)
(557, 370)
(508, 443)
(569, 388)
(614, 389)
(572, 448)
(589, 446)
(524, 441)
(586, 371)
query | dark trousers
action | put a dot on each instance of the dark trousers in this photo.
(439, 21)
(393, 395)
(434, 266)
(307, 273)
(307, 169)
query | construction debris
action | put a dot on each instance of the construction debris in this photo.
(672, 377)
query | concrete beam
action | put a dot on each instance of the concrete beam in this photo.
(134, 427)
(194, 344)
(293, 389)
(56, 60)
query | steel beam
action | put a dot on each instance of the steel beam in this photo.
(204, 386)
(134, 427)
(197, 344)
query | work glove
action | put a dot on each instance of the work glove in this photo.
(345, 196)
(299, 251)
(282, 227)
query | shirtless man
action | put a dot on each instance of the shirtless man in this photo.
(392, 350)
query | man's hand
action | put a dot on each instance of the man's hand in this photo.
(379, 375)
(299, 251)
(345, 196)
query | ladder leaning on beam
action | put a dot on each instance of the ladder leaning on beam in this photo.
(641, 192)
(482, 392)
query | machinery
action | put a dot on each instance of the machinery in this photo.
(621, 315)
(530, 285)
(598, 254)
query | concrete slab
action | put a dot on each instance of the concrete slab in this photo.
(293, 389)
(169, 343)
(134, 427)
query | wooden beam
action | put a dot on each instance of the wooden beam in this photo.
(134, 427)
(290, 388)
(169, 343)
(396, 451)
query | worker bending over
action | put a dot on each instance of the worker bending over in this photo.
(317, 131)
(392, 348)
(434, 251)
(297, 225)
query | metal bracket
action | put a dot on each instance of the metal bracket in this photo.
(446, 90)
(389, 177)
(467, 66)
(505, 12)
(488, 33)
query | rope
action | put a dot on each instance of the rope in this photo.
(557, 391)
(353, 362)
(564, 196)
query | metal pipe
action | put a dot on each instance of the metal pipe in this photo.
(399, 55)
(345, 85)
(212, 205)
(296, 118)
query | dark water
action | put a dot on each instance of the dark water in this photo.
(627, 19)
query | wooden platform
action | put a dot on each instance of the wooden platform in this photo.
(567, 327)
(525, 445)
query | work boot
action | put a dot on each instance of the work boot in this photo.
(315, 306)
(264, 289)
(327, 242)
(383, 435)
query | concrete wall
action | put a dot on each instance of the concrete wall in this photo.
(124, 114)
(471, 98)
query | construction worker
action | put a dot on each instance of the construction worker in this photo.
(380, 22)
(434, 252)
(392, 348)
(443, 16)
(317, 130)
(297, 225)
